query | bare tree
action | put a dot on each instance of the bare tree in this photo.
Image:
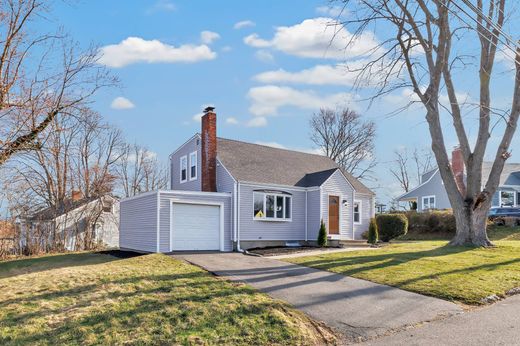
(138, 170)
(346, 138)
(408, 169)
(424, 42)
(41, 76)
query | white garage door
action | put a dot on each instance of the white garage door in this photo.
(195, 227)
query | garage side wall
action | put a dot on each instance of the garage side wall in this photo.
(166, 199)
(138, 223)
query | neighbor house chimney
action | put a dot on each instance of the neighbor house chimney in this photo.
(76, 195)
(209, 150)
(457, 166)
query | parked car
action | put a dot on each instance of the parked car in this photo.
(498, 215)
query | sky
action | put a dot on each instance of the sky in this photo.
(266, 66)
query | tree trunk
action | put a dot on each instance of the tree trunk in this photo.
(471, 227)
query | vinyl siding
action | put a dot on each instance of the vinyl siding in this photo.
(166, 198)
(175, 178)
(313, 214)
(225, 182)
(367, 212)
(138, 223)
(434, 187)
(337, 185)
(251, 229)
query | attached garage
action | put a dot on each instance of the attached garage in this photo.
(197, 226)
(164, 221)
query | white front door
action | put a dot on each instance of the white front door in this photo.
(195, 227)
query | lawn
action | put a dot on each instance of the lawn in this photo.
(89, 298)
(461, 274)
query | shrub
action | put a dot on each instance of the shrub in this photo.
(364, 235)
(391, 226)
(322, 235)
(436, 221)
(511, 221)
(372, 232)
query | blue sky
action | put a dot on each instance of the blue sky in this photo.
(260, 63)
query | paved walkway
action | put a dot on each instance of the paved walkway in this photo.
(497, 324)
(322, 252)
(356, 308)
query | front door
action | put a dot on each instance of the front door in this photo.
(333, 214)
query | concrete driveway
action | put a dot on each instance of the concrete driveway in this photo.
(358, 309)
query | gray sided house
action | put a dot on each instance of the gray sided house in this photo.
(431, 193)
(230, 195)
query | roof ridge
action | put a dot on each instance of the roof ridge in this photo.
(271, 147)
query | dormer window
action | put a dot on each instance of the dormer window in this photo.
(193, 165)
(184, 168)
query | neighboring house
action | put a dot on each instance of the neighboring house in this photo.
(431, 194)
(100, 216)
(231, 195)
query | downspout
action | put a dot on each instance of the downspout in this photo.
(306, 214)
(238, 219)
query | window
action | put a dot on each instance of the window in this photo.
(193, 165)
(357, 212)
(507, 198)
(428, 202)
(184, 169)
(271, 206)
(108, 206)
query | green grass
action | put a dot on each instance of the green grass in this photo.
(88, 298)
(462, 274)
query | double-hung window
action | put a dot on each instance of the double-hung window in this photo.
(428, 202)
(272, 206)
(193, 165)
(184, 168)
(507, 199)
(357, 212)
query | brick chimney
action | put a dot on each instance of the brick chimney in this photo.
(209, 150)
(76, 195)
(457, 166)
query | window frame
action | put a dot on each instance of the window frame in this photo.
(360, 207)
(429, 205)
(274, 218)
(190, 165)
(515, 199)
(181, 159)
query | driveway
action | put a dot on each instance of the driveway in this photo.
(356, 308)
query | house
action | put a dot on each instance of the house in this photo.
(71, 225)
(230, 195)
(431, 193)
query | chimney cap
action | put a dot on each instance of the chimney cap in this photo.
(209, 109)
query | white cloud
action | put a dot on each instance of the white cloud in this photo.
(243, 24)
(135, 49)
(264, 56)
(208, 37)
(161, 6)
(317, 75)
(121, 103)
(317, 38)
(231, 121)
(257, 122)
(332, 11)
(266, 100)
(226, 49)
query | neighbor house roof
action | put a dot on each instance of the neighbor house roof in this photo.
(267, 165)
(510, 174)
(50, 213)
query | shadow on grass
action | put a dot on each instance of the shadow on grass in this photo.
(184, 301)
(380, 261)
(37, 264)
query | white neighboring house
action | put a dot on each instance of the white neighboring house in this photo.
(71, 225)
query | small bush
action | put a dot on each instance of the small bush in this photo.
(511, 221)
(436, 221)
(364, 235)
(372, 232)
(391, 226)
(322, 235)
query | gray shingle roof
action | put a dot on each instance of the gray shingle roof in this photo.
(249, 162)
(510, 175)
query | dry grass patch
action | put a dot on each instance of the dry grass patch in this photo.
(99, 299)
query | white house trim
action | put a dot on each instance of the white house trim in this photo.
(195, 202)
(181, 159)
(191, 165)
(421, 185)
(197, 135)
(360, 206)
